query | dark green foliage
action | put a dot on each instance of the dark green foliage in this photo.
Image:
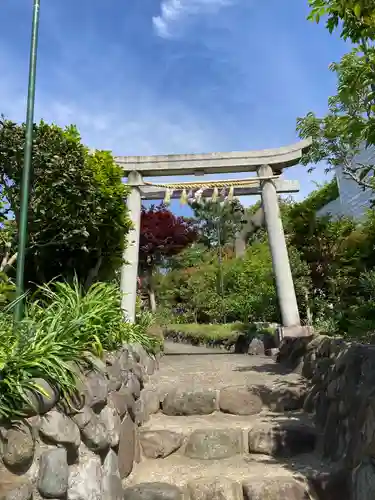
(349, 124)
(355, 18)
(332, 263)
(218, 222)
(249, 291)
(77, 217)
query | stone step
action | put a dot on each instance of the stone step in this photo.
(280, 396)
(236, 478)
(219, 436)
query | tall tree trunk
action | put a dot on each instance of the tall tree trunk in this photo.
(252, 224)
(152, 298)
(151, 290)
(93, 273)
(309, 315)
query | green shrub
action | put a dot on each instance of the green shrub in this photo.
(77, 220)
(361, 315)
(206, 334)
(193, 294)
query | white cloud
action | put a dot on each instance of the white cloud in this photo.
(172, 12)
(135, 122)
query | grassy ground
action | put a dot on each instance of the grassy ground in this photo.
(206, 334)
(220, 335)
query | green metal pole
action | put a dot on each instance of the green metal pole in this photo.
(27, 165)
(221, 277)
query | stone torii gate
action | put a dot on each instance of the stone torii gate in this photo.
(266, 163)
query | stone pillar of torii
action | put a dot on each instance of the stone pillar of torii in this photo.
(268, 164)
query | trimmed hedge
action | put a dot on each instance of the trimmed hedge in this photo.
(221, 335)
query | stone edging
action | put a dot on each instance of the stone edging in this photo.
(341, 400)
(82, 452)
(261, 344)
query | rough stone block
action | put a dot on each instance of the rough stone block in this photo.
(153, 491)
(124, 359)
(115, 376)
(297, 331)
(274, 488)
(42, 401)
(60, 429)
(151, 400)
(189, 403)
(83, 417)
(239, 400)
(256, 347)
(310, 399)
(134, 385)
(96, 390)
(331, 485)
(160, 444)
(53, 473)
(111, 481)
(283, 396)
(141, 415)
(140, 373)
(72, 404)
(112, 423)
(95, 435)
(18, 452)
(123, 401)
(126, 450)
(150, 365)
(214, 444)
(284, 439)
(14, 487)
(97, 364)
(216, 488)
(85, 479)
(363, 481)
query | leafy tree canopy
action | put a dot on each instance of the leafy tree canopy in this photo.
(349, 125)
(218, 221)
(355, 18)
(163, 235)
(77, 215)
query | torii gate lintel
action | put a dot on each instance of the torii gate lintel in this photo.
(266, 163)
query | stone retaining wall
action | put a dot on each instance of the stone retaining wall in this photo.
(341, 399)
(81, 450)
(257, 341)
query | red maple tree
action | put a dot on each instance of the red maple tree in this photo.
(163, 234)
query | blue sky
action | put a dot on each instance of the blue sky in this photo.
(146, 77)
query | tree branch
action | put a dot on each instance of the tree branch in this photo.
(359, 181)
(6, 265)
(93, 273)
(6, 256)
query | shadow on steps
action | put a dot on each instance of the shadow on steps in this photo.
(266, 368)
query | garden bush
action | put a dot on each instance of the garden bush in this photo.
(77, 219)
(194, 295)
(63, 328)
(222, 335)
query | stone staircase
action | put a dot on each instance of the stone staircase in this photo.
(228, 427)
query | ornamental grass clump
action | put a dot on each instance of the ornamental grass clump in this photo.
(93, 320)
(29, 353)
(63, 326)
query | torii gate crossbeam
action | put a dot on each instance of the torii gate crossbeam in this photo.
(266, 163)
